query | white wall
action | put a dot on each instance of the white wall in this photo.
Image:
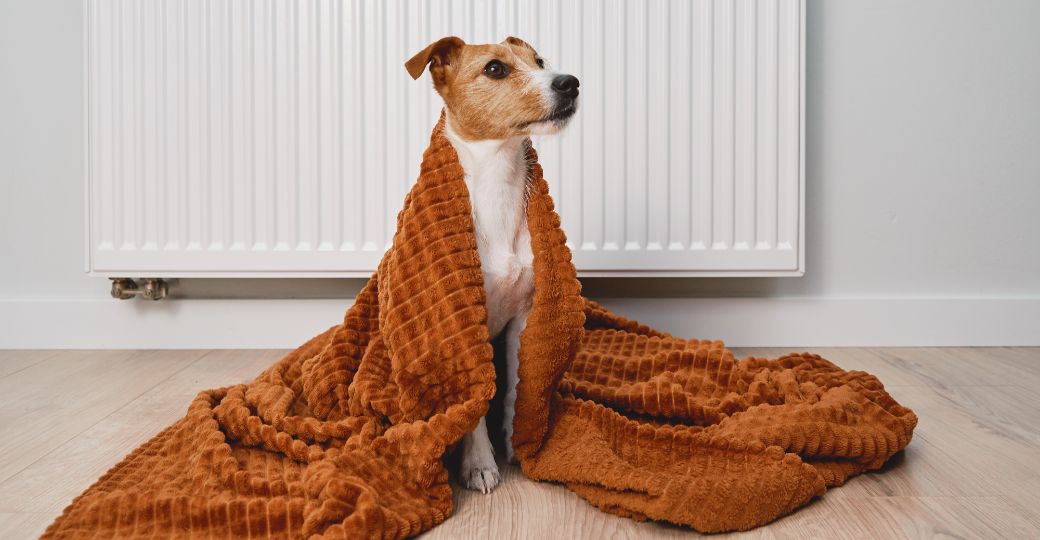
(922, 173)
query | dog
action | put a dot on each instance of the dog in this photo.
(495, 97)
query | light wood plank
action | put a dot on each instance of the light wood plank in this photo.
(12, 361)
(49, 403)
(24, 524)
(906, 517)
(960, 366)
(1027, 358)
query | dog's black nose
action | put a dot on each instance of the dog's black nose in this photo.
(566, 85)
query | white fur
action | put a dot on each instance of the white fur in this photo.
(496, 176)
(541, 81)
(478, 469)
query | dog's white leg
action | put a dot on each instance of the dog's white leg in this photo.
(512, 378)
(478, 470)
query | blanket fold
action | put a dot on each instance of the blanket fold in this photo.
(346, 436)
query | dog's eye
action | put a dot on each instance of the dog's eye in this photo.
(496, 70)
(540, 62)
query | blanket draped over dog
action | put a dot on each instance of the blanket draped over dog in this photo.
(346, 435)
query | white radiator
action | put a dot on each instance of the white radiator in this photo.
(278, 137)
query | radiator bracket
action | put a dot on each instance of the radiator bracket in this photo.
(151, 288)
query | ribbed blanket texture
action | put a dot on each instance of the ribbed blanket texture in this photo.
(346, 436)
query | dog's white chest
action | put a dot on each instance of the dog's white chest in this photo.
(496, 175)
(504, 244)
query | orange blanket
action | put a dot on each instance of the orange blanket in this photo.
(346, 436)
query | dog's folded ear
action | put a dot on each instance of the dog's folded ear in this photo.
(439, 54)
(512, 40)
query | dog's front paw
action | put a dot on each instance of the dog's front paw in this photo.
(481, 478)
(477, 468)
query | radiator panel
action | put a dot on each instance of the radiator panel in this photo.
(274, 137)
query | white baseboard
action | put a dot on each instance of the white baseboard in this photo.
(741, 322)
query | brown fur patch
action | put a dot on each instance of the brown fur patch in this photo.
(519, 42)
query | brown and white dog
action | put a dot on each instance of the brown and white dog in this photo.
(497, 95)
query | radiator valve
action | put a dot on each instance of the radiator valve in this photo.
(151, 288)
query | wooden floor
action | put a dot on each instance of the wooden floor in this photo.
(972, 471)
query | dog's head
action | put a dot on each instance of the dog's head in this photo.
(497, 91)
